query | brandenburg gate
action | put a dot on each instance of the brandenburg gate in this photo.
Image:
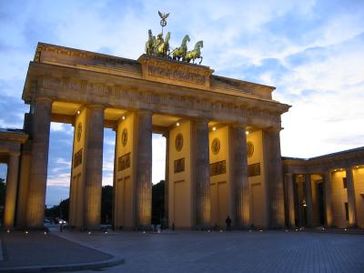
(223, 145)
(223, 154)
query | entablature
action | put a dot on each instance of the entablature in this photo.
(70, 84)
(149, 68)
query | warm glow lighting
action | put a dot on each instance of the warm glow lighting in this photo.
(78, 112)
(214, 128)
(247, 132)
(123, 117)
(178, 124)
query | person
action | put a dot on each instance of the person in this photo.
(228, 223)
(158, 41)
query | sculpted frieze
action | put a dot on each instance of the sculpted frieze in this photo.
(169, 71)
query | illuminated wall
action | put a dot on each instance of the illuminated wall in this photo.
(220, 185)
(256, 177)
(358, 178)
(124, 183)
(180, 178)
(339, 198)
(77, 171)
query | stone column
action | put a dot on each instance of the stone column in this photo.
(239, 178)
(23, 184)
(166, 183)
(73, 187)
(328, 199)
(290, 200)
(273, 174)
(308, 199)
(143, 180)
(11, 190)
(201, 172)
(351, 196)
(38, 174)
(93, 166)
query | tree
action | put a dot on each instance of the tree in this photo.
(2, 191)
(2, 197)
(62, 209)
(158, 203)
(106, 204)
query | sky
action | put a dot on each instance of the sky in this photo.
(312, 51)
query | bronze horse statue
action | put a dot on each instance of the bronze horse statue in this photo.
(180, 52)
(195, 53)
(162, 49)
(149, 45)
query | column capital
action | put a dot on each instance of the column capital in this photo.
(43, 100)
(14, 154)
(95, 106)
(273, 129)
(238, 125)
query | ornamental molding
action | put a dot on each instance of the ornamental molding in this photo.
(132, 96)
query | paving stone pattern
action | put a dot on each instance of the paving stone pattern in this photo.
(37, 249)
(273, 251)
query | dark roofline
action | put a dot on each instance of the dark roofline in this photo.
(359, 149)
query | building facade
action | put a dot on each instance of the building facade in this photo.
(223, 147)
(326, 190)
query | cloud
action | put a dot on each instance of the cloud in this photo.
(312, 51)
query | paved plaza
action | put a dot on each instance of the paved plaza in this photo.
(267, 251)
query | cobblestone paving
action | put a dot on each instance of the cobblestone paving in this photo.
(241, 252)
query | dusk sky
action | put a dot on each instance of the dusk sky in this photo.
(312, 51)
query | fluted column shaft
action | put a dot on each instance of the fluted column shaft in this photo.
(351, 196)
(38, 173)
(201, 169)
(93, 168)
(144, 168)
(290, 200)
(274, 180)
(239, 177)
(11, 190)
(167, 182)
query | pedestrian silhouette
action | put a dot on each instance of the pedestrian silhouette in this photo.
(228, 223)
